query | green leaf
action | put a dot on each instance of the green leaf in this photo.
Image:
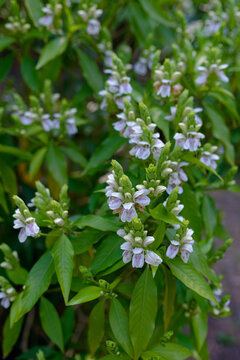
(83, 241)
(29, 73)
(209, 215)
(227, 98)
(120, 326)
(68, 323)
(156, 13)
(200, 327)
(220, 131)
(86, 294)
(36, 161)
(190, 277)
(34, 8)
(75, 155)
(104, 152)
(5, 65)
(199, 260)
(194, 161)
(107, 253)
(191, 211)
(51, 323)
(8, 177)
(10, 335)
(169, 351)
(51, 50)
(63, 259)
(3, 201)
(38, 281)
(10, 150)
(56, 164)
(143, 310)
(96, 326)
(18, 275)
(97, 222)
(169, 297)
(5, 42)
(161, 213)
(90, 71)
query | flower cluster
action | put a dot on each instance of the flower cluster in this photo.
(189, 138)
(89, 15)
(117, 86)
(166, 79)
(177, 175)
(49, 111)
(122, 198)
(11, 259)
(136, 245)
(17, 25)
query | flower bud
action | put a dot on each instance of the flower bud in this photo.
(59, 222)
(6, 265)
(50, 213)
(176, 76)
(166, 172)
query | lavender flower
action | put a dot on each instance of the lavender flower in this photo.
(47, 19)
(213, 69)
(209, 159)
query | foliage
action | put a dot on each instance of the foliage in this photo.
(115, 266)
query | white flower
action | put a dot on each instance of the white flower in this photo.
(27, 118)
(152, 258)
(177, 177)
(5, 302)
(184, 245)
(165, 88)
(71, 126)
(115, 200)
(47, 19)
(93, 27)
(141, 150)
(212, 26)
(157, 148)
(129, 212)
(140, 67)
(125, 87)
(209, 159)
(28, 226)
(189, 142)
(59, 221)
(214, 68)
(47, 123)
(140, 197)
(173, 110)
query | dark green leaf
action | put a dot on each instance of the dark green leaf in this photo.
(68, 323)
(5, 42)
(24, 155)
(220, 131)
(29, 73)
(209, 214)
(83, 241)
(96, 326)
(90, 71)
(5, 65)
(97, 222)
(51, 50)
(104, 152)
(36, 161)
(63, 259)
(50, 322)
(143, 310)
(75, 155)
(107, 253)
(200, 326)
(37, 283)
(10, 335)
(169, 297)
(120, 326)
(56, 164)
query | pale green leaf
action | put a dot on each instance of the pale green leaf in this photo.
(10, 335)
(56, 164)
(51, 50)
(97, 222)
(86, 294)
(34, 8)
(190, 277)
(36, 161)
(161, 213)
(168, 351)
